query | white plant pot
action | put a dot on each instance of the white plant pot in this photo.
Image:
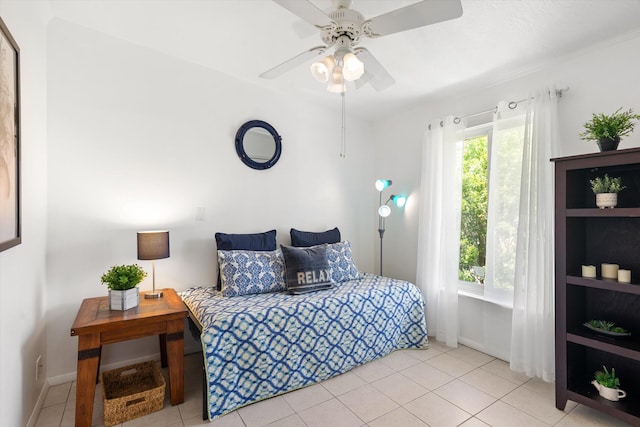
(606, 200)
(613, 394)
(124, 300)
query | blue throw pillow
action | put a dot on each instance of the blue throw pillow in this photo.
(309, 238)
(249, 242)
(341, 262)
(306, 269)
(251, 272)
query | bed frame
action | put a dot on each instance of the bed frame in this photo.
(196, 331)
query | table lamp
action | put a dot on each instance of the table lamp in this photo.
(153, 245)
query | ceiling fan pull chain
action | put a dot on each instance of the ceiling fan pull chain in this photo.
(343, 147)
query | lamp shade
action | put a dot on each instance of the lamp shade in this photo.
(384, 211)
(381, 184)
(399, 201)
(336, 82)
(153, 245)
(352, 68)
(322, 70)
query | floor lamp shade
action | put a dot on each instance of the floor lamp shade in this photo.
(153, 245)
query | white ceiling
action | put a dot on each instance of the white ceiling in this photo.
(494, 39)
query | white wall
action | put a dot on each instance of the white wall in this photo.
(601, 79)
(22, 268)
(139, 140)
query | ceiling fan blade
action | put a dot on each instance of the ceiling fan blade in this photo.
(419, 14)
(303, 30)
(363, 80)
(290, 64)
(375, 74)
(307, 11)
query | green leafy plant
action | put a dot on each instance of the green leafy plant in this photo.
(123, 277)
(616, 125)
(606, 378)
(603, 325)
(606, 184)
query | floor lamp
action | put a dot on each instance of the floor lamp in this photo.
(153, 245)
(384, 210)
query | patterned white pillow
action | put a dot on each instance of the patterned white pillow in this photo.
(251, 272)
(341, 262)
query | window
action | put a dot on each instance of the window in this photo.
(474, 204)
(489, 208)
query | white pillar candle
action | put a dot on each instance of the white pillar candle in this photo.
(624, 276)
(609, 271)
(588, 271)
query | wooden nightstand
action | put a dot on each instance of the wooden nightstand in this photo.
(96, 325)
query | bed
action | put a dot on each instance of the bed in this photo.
(259, 345)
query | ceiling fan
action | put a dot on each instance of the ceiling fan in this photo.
(343, 28)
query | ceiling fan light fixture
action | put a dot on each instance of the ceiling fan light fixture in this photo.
(353, 68)
(336, 83)
(321, 70)
(342, 29)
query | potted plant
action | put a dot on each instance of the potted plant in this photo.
(606, 190)
(607, 328)
(607, 384)
(607, 130)
(122, 281)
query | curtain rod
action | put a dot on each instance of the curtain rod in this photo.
(512, 106)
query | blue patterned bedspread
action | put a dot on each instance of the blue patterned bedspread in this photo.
(259, 346)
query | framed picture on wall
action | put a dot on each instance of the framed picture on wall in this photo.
(10, 233)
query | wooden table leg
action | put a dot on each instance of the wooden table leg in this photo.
(88, 364)
(163, 350)
(175, 359)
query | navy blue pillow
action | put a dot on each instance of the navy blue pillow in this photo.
(306, 269)
(246, 242)
(309, 238)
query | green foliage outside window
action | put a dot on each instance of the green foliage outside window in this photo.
(473, 224)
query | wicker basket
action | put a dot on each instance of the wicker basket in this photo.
(131, 392)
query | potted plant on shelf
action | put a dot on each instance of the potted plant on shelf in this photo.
(606, 190)
(607, 385)
(607, 328)
(122, 281)
(607, 130)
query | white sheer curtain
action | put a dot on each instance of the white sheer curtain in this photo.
(520, 238)
(505, 167)
(532, 337)
(439, 228)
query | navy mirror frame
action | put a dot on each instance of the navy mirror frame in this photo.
(243, 154)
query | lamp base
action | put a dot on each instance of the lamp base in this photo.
(155, 294)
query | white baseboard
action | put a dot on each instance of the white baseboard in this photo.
(472, 344)
(71, 376)
(477, 346)
(33, 419)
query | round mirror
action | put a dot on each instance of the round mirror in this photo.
(258, 144)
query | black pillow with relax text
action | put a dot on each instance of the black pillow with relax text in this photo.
(306, 269)
(310, 238)
(246, 242)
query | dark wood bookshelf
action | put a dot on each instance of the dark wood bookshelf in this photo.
(586, 235)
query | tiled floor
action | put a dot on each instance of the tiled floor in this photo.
(435, 387)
